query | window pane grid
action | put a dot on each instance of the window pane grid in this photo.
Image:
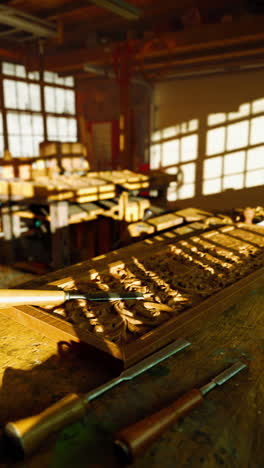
(54, 78)
(25, 132)
(24, 112)
(22, 95)
(61, 128)
(59, 100)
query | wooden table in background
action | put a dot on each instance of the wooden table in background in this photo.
(227, 431)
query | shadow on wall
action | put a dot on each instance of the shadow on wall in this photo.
(220, 153)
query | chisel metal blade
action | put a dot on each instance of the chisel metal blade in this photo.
(229, 373)
(105, 296)
(141, 367)
(226, 375)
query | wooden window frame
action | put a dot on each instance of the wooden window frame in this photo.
(42, 83)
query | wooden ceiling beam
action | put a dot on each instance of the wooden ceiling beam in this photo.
(154, 13)
(194, 41)
(120, 7)
(78, 7)
(256, 63)
(214, 59)
(208, 37)
(75, 59)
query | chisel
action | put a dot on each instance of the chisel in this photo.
(27, 434)
(133, 440)
(12, 297)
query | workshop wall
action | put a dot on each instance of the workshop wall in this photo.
(212, 130)
(97, 102)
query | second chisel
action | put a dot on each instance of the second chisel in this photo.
(134, 439)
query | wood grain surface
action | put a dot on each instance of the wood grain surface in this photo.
(227, 431)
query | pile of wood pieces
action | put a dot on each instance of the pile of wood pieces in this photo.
(125, 179)
(74, 188)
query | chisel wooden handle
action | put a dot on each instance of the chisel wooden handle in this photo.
(28, 433)
(10, 297)
(134, 439)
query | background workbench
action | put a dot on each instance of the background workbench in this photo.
(228, 430)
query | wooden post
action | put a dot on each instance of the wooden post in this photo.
(125, 143)
(123, 62)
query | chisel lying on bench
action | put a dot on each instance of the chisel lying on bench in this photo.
(27, 434)
(134, 439)
(15, 297)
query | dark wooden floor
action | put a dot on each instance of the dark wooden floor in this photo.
(227, 431)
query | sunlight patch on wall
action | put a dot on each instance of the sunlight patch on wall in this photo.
(155, 156)
(215, 141)
(190, 126)
(257, 130)
(172, 192)
(233, 157)
(175, 150)
(234, 162)
(193, 125)
(189, 148)
(156, 136)
(237, 135)
(243, 111)
(170, 132)
(235, 169)
(172, 189)
(258, 106)
(235, 181)
(216, 119)
(212, 186)
(255, 159)
(213, 167)
(186, 191)
(170, 152)
(188, 172)
(255, 178)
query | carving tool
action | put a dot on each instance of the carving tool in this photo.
(12, 297)
(133, 440)
(30, 432)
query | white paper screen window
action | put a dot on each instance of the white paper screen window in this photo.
(54, 78)
(25, 132)
(59, 100)
(61, 129)
(22, 95)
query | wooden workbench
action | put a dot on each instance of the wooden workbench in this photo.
(227, 431)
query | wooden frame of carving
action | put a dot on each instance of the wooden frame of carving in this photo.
(60, 330)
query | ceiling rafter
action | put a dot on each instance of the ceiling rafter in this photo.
(120, 7)
(22, 21)
(173, 45)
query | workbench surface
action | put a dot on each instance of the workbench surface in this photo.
(227, 430)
